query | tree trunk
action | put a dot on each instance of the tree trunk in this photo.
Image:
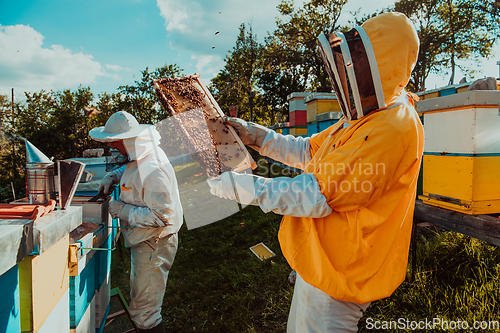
(452, 62)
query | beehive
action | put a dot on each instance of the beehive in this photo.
(298, 130)
(58, 319)
(297, 111)
(44, 280)
(468, 184)
(323, 125)
(87, 323)
(312, 128)
(102, 299)
(462, 152)
(318, 103)
(9, 301)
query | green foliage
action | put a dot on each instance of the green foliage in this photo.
(291, 49)
(140, 99)
(450, 32)
(235, 85)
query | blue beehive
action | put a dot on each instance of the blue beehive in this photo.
(448, 91)
(312, 128)
(81, 290)
(323, 125)
(9, 301)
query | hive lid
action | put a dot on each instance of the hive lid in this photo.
(33, 155)
(473, 98)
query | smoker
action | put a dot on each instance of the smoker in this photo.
(40, 185)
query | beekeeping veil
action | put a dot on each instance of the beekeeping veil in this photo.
(371, 64)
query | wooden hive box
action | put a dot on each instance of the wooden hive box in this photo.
(43, 281)
(10, 319)
(462, 152)
(102, 299)
(87, 323)
(58, 319)
(318, 103)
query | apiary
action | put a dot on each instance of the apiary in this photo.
(462, 151)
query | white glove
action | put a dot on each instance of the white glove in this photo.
(299, 196)
(106, 185)
(120, 210)
(233, 186)
(250, 134)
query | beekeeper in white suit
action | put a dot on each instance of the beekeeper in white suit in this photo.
(149, 207)
(347, 219)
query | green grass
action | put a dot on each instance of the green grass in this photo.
(457, 278)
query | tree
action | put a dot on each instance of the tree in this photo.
(292, 49)
(140, 99)
(450, 32)
(236, 82)
(10, 152)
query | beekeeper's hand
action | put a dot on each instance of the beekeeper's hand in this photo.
(107, 183)
(119, 210)
(251, 134)
(233, 186)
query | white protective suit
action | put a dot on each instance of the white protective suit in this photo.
(152, 214)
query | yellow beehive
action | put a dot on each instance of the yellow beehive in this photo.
(43, 280)
(468, 184)
(298, 130)
(318, 103)
(431, 95)
(462, 152)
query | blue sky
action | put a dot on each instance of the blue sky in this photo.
(59, 44)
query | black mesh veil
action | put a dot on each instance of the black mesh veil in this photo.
(350, 70)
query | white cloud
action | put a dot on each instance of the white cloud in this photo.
(27, 66)
(115, 68)
(208, 64)
(191, 25)
(175, 15)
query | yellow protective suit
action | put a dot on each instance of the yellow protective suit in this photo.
(368, 173)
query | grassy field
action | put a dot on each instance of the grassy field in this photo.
(218, 285)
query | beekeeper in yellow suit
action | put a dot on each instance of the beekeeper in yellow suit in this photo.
(150, 210)
(348, 216)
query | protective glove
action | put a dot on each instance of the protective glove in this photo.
(299, 196)
(107, 183)
(120, 210)
(250, 134)
(233, 186)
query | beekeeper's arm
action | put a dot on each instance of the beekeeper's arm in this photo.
(350, 177)
(158, 205)
(287, 149)
(299, 196)
(110, 179)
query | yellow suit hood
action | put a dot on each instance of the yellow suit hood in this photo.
(395, 43)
